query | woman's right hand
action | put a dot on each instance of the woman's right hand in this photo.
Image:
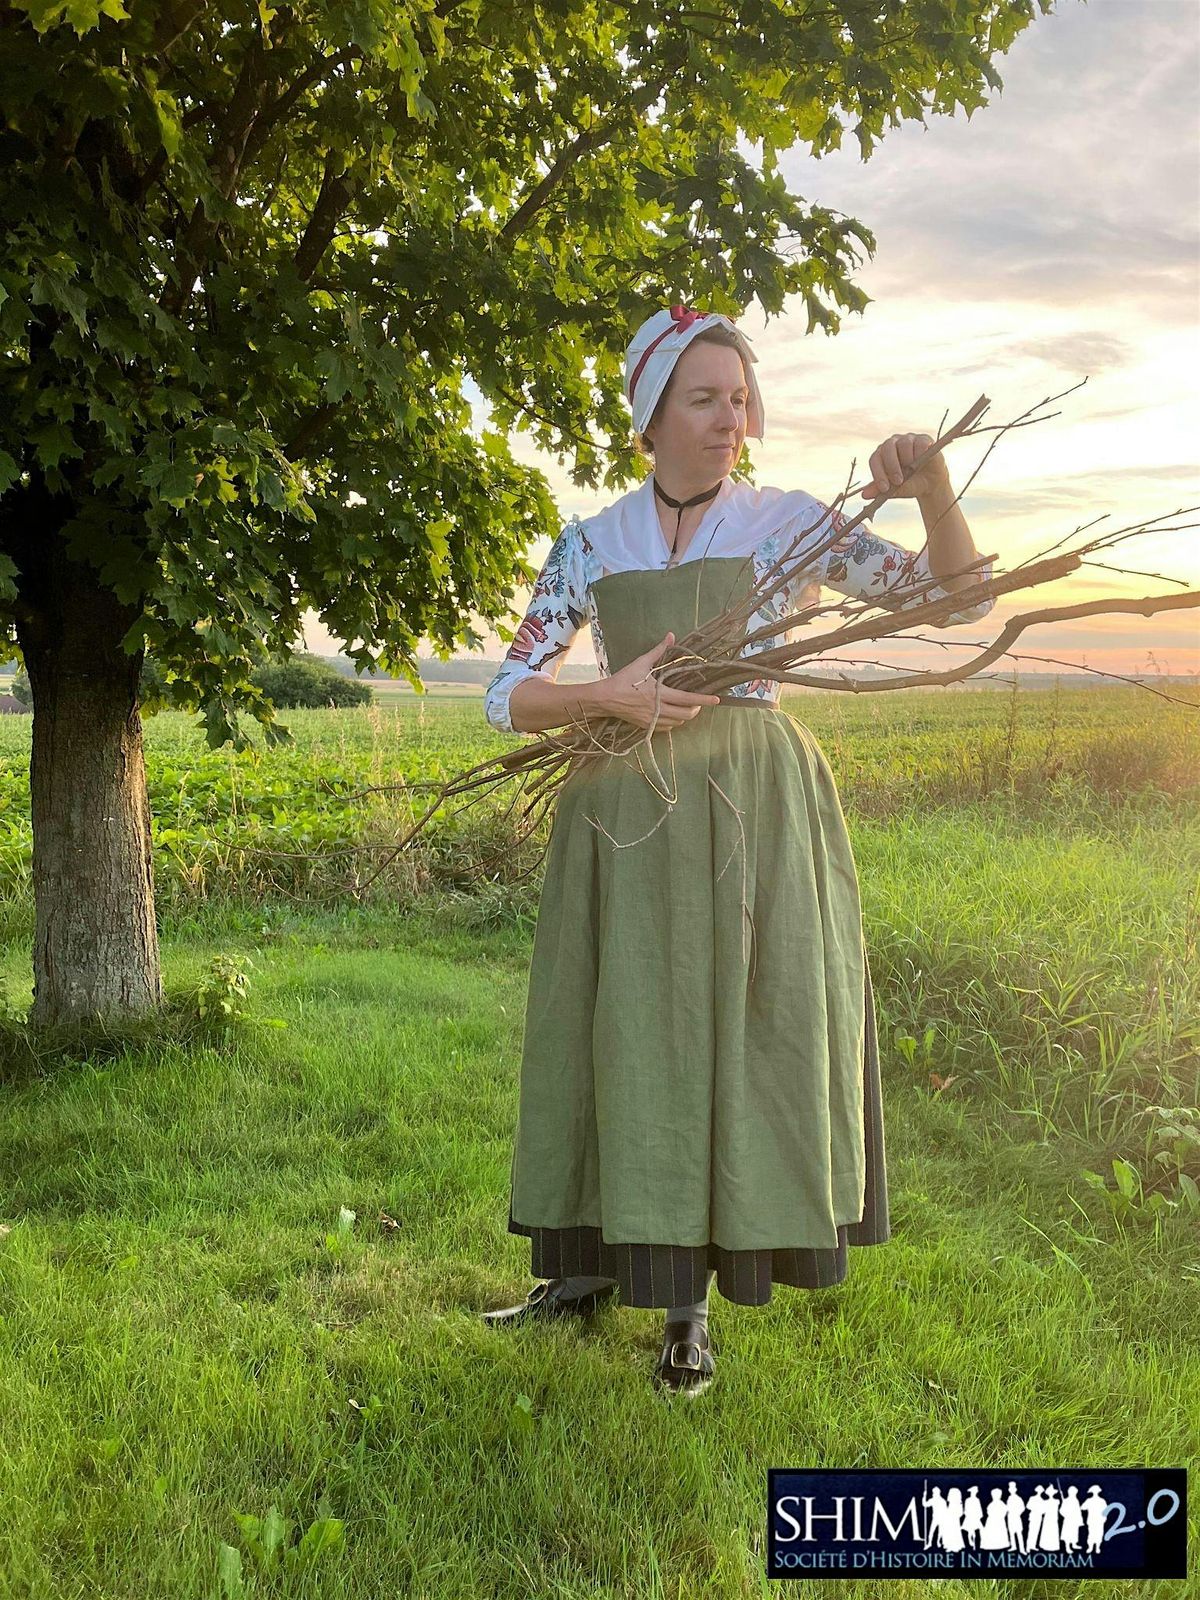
(636, 696)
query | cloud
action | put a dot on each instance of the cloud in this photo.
(1070, 352)
(1095, 490)
(1066, 184)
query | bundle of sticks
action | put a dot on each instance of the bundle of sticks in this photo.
(723, 652)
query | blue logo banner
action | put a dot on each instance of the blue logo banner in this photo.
(1052, 1522)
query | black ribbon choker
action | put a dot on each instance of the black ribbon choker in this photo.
(680, 506)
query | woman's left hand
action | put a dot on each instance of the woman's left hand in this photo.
(892, 463)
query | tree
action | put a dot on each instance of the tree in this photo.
(251, 257)
(20, 689)
(305, 680)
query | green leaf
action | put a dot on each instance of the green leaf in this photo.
(1128, 1180)
(178, 484)
(170, 121)
(325, 1536)
(439, 546)
(53, 444)
(52, 288)
(229, 1570)
(339, 373)
(420, 107)
(272, 1537)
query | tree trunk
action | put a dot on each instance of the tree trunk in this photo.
(95, 949)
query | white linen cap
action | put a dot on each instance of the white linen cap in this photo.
(657, 346)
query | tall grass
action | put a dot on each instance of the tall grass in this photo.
(297, 824)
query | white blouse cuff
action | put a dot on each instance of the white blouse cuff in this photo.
(973, 613)
(498, 693)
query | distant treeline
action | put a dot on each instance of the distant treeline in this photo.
(462, 671)
(482, 671)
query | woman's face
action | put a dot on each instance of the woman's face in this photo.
(700, 428)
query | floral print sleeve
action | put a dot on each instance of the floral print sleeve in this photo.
(558, 608)
(868, 567)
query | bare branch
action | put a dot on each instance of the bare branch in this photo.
(272, 114)
(174, 23)
(628, 107)
(310, 427)
(225, 164)
(714, 657)
(337, 190)
(1054, 661)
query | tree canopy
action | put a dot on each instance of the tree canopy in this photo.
(253, 255)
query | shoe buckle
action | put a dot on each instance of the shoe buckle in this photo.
(537, 1294)
(686, 1344)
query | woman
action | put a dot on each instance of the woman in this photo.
(700, 1092)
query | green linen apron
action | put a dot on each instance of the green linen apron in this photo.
(699, 1077)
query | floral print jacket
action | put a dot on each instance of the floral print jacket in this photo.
(862, 565)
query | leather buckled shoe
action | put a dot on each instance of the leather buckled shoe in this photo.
(685, 1365)
(548, 1300)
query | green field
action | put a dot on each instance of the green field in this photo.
(194, 1330)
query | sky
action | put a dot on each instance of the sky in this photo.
(1051, 237)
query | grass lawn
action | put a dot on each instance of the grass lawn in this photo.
(194, 1330)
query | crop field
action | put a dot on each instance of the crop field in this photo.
(242, 1259)
(258, 822)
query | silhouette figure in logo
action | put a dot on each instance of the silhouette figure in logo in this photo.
(954, 1517)
(1036, 1506)
(1072, 1519)
(1015, 1506)
(1095, 1508)
(995, 1530)
(1048, 1539)
(972, 1516)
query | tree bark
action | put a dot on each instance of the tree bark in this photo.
(95, 949)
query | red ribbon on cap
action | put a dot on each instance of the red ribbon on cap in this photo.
(681, 319)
